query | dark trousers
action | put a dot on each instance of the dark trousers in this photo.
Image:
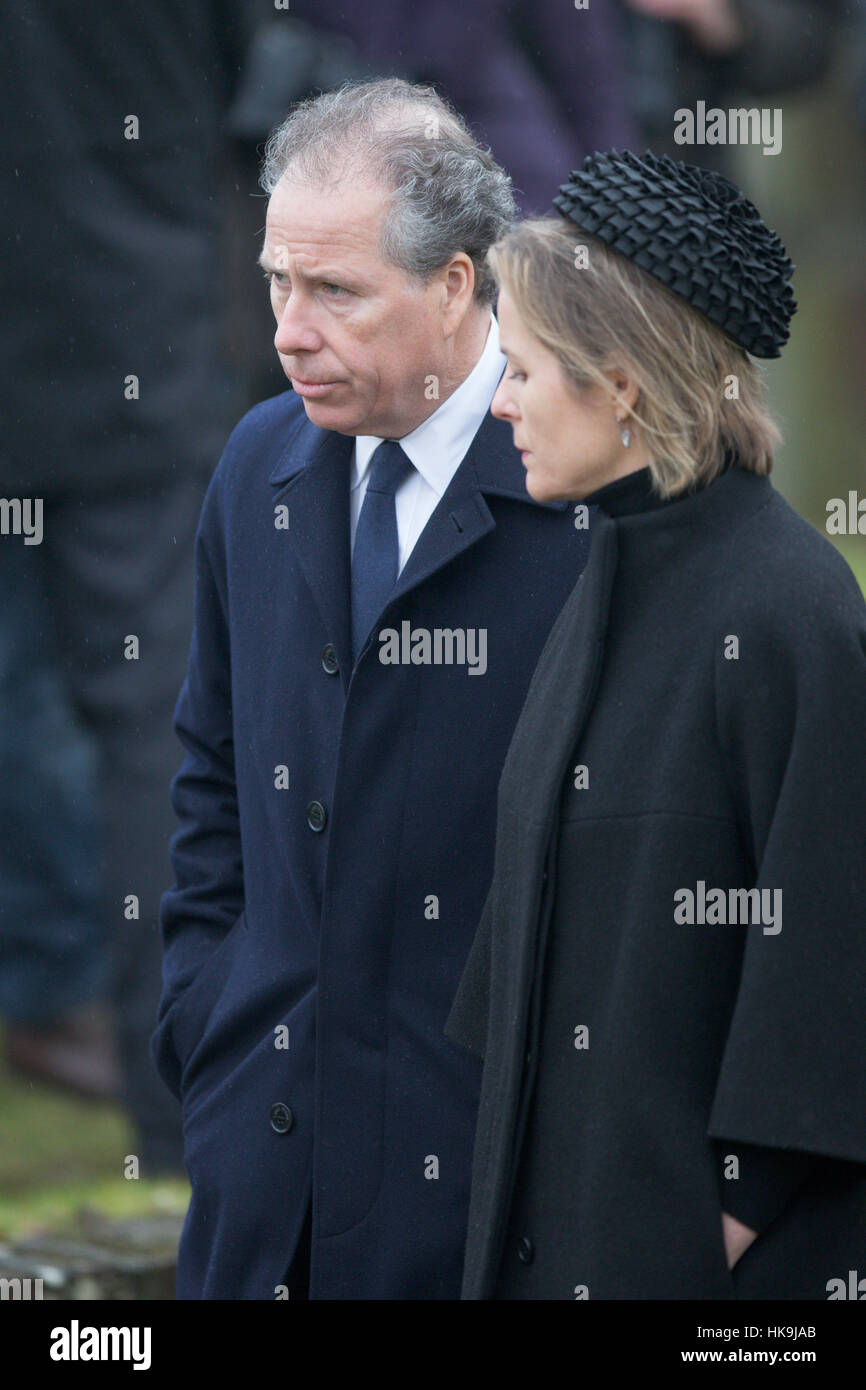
(52, 933)
(115, 569)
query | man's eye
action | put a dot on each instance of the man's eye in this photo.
(340, 289)
(516, 376)
(273, 275)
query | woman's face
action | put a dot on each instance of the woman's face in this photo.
(569, 437)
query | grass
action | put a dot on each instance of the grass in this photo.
(61, 1154)
(59, 1209)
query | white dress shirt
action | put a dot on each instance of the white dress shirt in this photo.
(436, 448)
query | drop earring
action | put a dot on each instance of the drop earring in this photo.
(624, 432)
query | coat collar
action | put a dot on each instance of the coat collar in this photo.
(312, 478)
(495, 460)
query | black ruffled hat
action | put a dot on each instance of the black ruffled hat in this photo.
(694, 230)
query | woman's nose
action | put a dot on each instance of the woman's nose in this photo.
(501, 406)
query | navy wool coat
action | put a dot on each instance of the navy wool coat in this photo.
(695, 732)
(333, 855)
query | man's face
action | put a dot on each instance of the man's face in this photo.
(356, 337)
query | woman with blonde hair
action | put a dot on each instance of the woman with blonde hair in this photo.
(668, 984)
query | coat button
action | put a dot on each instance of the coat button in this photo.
(526, 1250)
(329, 659)
(282, 1118)
(317, 816)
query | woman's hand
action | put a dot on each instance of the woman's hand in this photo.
(737, 1238)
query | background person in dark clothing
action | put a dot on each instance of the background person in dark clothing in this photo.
(108, 273)
(53, 961)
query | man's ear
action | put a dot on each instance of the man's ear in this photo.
(458, 281)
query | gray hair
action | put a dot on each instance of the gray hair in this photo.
(448, 194)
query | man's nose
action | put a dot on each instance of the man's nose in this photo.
(294, 332)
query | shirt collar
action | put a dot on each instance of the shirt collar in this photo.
(439, 444)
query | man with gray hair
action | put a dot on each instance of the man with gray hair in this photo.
(336, 809)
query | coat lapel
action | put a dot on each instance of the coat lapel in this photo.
(562, 690)
(506, 968)
(312, 477)
(491, 465)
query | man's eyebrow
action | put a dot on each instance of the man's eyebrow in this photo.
(266, 263)
(324, 273)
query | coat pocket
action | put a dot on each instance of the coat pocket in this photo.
(193, 1008)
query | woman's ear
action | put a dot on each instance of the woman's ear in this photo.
(624, 389)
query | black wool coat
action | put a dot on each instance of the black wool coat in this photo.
(696, 722)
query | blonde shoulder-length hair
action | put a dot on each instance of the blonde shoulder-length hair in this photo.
(700, 393)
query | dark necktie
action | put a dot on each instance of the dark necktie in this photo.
(376, 554)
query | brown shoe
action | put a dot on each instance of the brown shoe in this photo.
(78, 1053)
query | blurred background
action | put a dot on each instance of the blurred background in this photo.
(137, 330)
